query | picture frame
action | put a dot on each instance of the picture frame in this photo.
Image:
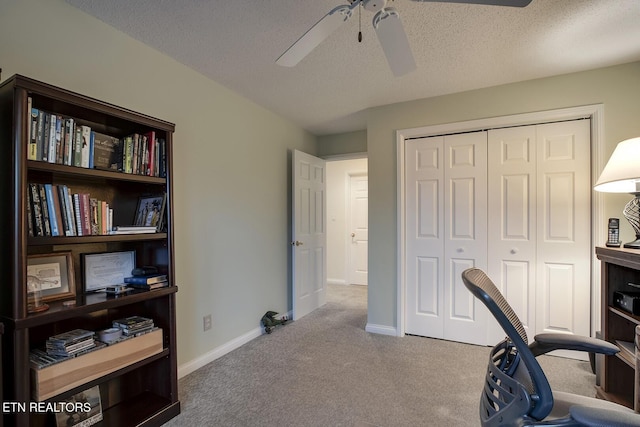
(103, 269)
(52, 274)
(81, 410)
(150, 211)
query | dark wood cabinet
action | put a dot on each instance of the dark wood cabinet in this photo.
(140, 393)
(620, 273)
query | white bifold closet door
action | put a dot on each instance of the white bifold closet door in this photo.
(514, 202)
(446, 219)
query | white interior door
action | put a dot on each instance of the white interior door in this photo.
(359, 229)
(309, 233)
(446, 216)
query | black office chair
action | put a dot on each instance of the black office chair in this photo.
(516, 391)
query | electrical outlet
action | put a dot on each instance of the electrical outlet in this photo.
(206, 322)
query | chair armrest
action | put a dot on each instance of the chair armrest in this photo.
(604, 417)
(544, 343)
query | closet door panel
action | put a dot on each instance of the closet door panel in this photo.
(424, 173)
(564, 229)
(512, 221)
(465, 229)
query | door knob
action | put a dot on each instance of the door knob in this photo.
(353, 234)
(296, 243)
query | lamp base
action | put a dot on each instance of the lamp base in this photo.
(633, 245)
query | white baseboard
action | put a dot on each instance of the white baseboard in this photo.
(218, 352)
(336, 282)
(381, 329)
(199, 362)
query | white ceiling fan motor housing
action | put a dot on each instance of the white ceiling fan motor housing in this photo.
(374, 5)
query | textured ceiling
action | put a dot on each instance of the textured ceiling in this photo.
(457, 47)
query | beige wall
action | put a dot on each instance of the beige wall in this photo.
(618, 88)
(342, 143)
(230, 171)
(231, 180)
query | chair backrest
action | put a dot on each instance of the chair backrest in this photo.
(534, 381)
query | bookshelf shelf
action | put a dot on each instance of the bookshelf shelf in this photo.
(65, 240)
(97, 174)
(138, 391)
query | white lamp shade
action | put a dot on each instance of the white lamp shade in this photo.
(622, 172)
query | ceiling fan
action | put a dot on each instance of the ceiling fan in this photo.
(387, 25)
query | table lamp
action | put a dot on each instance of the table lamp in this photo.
(622, 175)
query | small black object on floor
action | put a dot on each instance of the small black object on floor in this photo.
(270, 322)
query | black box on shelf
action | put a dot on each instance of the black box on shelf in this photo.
(627, 301)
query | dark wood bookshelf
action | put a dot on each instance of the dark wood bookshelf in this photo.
(138, 392)
(620, 267)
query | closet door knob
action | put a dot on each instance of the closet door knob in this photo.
(514, 251)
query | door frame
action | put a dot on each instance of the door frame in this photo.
(594, 112)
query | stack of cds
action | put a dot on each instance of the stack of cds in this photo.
(134, 325)
(70, 343)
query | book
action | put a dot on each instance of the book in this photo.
(151, 137)
(51, 138)
(69, 134)
(36, 210)
(91, 149)
(85, 149)
(46, 222)
(64, 210)
(146, 280)
(58, 210)
(32, 151)
(59, 137)
(40, 135)
(78, 214)
(53, 219)
(93, 210)
(77, 146)
(119, 229)
(149, 286)
(105, 151)
(71, 218)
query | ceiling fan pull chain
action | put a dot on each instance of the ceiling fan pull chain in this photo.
(360, 22)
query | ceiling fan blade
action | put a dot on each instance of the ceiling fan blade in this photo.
(393, 40)
(512, 3)
(316, 35)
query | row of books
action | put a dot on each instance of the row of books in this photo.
(63, 140)
(52, 210)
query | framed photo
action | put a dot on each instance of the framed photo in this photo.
(52, 274)
(106, 269)
(150, 211)
(81, 410)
